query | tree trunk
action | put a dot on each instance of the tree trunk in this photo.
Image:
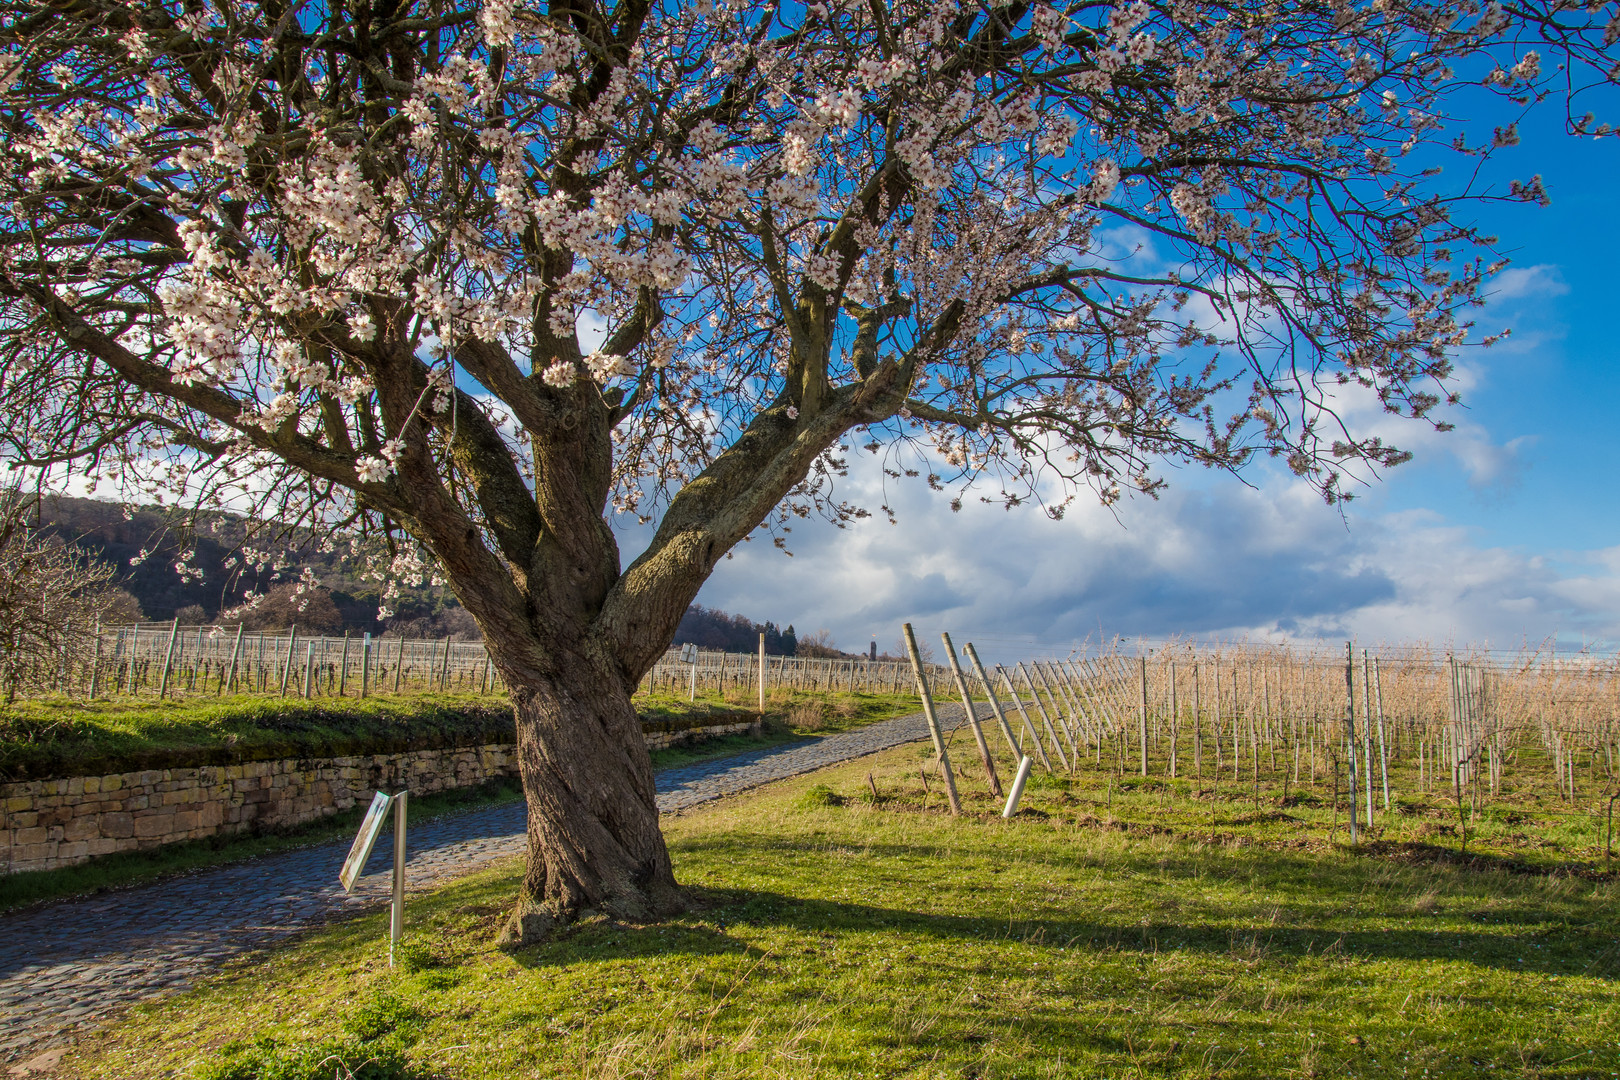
(594, 842)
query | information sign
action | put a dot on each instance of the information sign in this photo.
(364, 841)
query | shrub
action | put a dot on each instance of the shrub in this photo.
(821, 795)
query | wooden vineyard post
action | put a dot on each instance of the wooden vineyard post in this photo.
(1236, 735)
(972, 717)
(1350, 719)
(933, 721)
(1045, 718)
(309, 670)
(343, 667)
(95, 662)
(995, 703)
(229, 677)
(1144, 718)
(1366, 730)
(762, 675)
(1175, 721)
(1033, 736)
(1060, 679)
(168, 659)
(1383, 754)
(286, 669)
(1198, 729)
(1058, 706)
(444, 668)
(399, 664)
(1103, 721)
(1074, 684)
(365, 665)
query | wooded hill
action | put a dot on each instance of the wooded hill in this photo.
(143, 544)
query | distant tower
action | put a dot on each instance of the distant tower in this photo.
(873, 653)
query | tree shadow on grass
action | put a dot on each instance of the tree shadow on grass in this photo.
(1308, 892)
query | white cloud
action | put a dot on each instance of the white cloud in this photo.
(1224, 560)
(1527, 282)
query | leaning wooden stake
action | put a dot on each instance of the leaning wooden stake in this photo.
(1045, 717)
(1350, 719)
(995, 703)
(1034, 737)
(1383, 755)
(168, 659)
(286, 669)
(1144, 717)
(933, 721)
(1058, 707)
(972, 718)
(95, 663)
(236, 656)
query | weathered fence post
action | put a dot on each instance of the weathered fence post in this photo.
(95, 662)
(995, 705)
(1350, 719)
(365, 665)
(1144, 717)
(933, 721)
(1034, 736)
(972, 719)
(236, 652)
(286, 669)
(168, 658)
(1046, 718)
(1383, 754)
(343, 667)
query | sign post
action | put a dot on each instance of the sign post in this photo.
(360, 852)
(396, 916)
(689, 654)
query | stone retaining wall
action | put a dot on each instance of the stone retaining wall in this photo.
(45, 824)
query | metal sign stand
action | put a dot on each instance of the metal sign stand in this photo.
(689, 653)
(396, 914)
(360, 852)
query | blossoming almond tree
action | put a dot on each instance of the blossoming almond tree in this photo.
(482, 277)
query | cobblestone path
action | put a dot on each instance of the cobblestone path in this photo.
(65, 966)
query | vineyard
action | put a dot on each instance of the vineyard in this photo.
(1398, 732)
(187, 661)
(1473, 724)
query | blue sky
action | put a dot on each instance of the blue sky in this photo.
(1503, 531)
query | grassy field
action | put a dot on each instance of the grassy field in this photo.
(1114, 928)
(789, 715)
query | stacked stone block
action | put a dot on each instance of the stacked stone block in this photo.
(47, 824)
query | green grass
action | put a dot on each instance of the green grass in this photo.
(128, 868)
(1113, 929)
(789, 715)
(59, 736)
(52, 737)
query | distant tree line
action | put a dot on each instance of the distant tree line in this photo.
(711, 628)
(143, 545)
(138, 549)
